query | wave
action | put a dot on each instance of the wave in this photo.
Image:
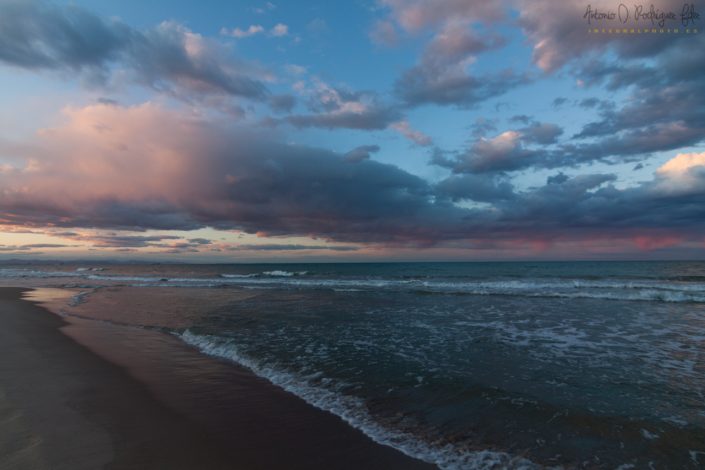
(275, 273)
(354, 412)
(31, 273)
(571, 288)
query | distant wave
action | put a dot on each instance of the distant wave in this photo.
(354, 412)
(275, 273)
(678, 291)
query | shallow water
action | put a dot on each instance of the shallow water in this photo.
(591, 365)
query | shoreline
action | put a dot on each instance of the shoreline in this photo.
(130, 400)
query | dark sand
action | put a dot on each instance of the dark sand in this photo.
(84, 395)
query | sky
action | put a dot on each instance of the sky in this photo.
(359, 130)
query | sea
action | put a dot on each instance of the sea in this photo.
(463, 365)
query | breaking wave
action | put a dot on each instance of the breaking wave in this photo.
(354, 412)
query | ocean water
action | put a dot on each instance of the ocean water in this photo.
(465, 365)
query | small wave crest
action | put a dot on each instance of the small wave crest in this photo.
(571, 288)
(275, 273)
(354, 412)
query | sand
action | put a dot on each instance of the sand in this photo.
(83, 394)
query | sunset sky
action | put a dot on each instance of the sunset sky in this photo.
(349, 130)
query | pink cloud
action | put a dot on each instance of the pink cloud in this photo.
(655, 242)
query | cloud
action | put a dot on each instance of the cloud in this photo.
(243, 33)
(480, 188)
(115, 240)
(295, 69)
(152, 168)
(504, 152)
(453, 86)
(541, 133)
(520, 118)
(267, 7)
(537, 144)
(417, 137)
(361, 153)
(292, 247)
(384, 33)
(38, 36)
(589, 102)
(681, 164)
(558, 32)
(279, 30)
(32, 246)
(682, 173)
(338, 107)
(558, 102)
(282, 103)
(144, 167)
(456, 42)
(441, 75)
(415, 15)
(368, 118)
(653, 116)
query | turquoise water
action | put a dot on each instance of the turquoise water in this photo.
(468, 365)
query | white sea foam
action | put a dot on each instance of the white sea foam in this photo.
(353, 411)
(604, 289)
(277, 273)
(32, 273)
(78, 299)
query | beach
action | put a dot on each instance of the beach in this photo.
(83, 394)
(477, 366)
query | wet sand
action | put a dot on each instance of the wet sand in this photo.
(82, 394)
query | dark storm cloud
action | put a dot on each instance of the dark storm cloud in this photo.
(217, 176)
(39, 36)
(589, 207)
(480, 188)
(590, 202)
